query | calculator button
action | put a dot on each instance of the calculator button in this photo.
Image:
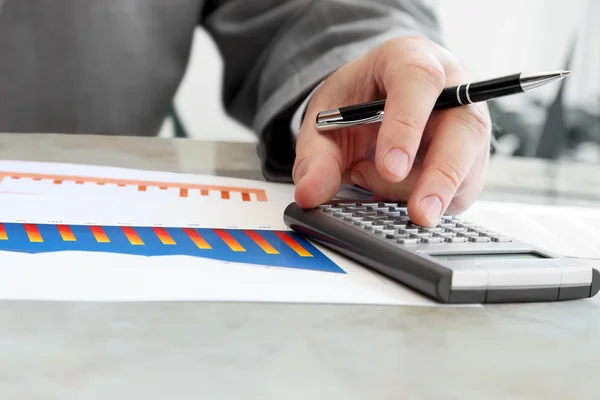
(341, 205)
(455, 230)
(467, 234)
(363, 223)
(392, 213)
(396, 226)
(376, 218)
(396, 236)
(407, 241)
(352, 219)
(324, 206)
(446, 225)
(420, 235)
(409, 230)
(479, 239)
(501, 239)
(366, 213)
(388, 204)
(443, 234)
(368, 204)
(332, 210)
(342, 214)
(432, 230)
(455, 239)
(433, 239)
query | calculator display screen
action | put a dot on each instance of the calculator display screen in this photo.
(488, 256)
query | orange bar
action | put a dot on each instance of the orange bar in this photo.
(142, 188)
(99, 234)
(66, 233)
(225, 195)
(79, 182)
(33, 233)
(259, 240)
(3, 235)
(204, 192)
(261, 195)
(163, 235)
(287, 239)
(197, 239)
(132, 236)
(183, 192)
(245, 196)
(229, 240)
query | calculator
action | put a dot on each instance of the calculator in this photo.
(455, 262)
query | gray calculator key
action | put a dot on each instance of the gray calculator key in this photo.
(446, 225)
(501, 239)
(367, 204)
(421, 235)
(396, 236)
(396, 226)
(366, 214)
(433, 230)
(409, 230)
(342, 214)
(345, 205)
(456, 239)
(455, 230)
(467, 234)
(408, 241)
(352, 219)
(363, 223)
(324, 206)
(376, 218)
(388, 204)
(392, 213)
(433, 239)
(332, 210)
(479, 239)
(444, 234)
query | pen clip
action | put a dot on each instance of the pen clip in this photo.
(337, 124)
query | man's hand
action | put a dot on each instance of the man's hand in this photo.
(434, 160)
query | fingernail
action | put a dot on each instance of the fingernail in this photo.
(431, 207)
(358, 178)
(396, 161)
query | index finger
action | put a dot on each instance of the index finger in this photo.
(413, 77)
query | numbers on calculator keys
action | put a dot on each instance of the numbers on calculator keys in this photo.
(390, 220)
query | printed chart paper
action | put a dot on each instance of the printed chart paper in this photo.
(80, 233)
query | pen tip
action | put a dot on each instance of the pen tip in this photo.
(565, 73)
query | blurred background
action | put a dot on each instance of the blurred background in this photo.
(493, 38)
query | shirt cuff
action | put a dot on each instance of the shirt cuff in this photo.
(298, 117)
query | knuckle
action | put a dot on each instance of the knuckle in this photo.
(407, 123)
(427, 71)
(449, 175)
(476, 122)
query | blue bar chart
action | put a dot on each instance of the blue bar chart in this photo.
(269, 248)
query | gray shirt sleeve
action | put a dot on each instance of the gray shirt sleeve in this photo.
(275, 52)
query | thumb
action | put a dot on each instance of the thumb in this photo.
(317, 175)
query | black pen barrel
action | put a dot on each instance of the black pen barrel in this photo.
(477, 92)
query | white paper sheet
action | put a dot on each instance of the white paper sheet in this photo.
(568, 231)
(34, 198)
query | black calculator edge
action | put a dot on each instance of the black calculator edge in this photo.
(429, 279)
(595, 282)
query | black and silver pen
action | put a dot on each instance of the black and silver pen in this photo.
(455, 96)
